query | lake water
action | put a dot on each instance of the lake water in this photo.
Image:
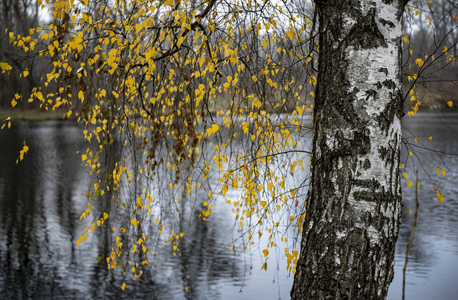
(42, 198)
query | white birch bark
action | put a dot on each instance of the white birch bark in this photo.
(354, 202)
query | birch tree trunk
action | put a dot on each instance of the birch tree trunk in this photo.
(354, 201)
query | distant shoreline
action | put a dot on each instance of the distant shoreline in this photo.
(39, 115)
(30, 115)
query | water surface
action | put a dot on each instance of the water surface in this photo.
(42, 198)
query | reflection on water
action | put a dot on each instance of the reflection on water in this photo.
(41, 200)
(433, 259)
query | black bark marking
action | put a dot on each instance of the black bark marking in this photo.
(371, 93)
(390, 84)
(387, 23)
(383, 70)
(365, 33)
(394, 108)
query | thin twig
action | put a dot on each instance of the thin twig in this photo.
(410, 241)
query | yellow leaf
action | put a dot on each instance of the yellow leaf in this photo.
(419, 62)
(264, 203)
(440, 197)
(105, 216)
(405, 175)
(212, 130)
(410, 154)
(23, 152)
(290, 33)
(293, 193)
(13, 103)
(270, 186)
(5, 67)
(409, 183)
(83, 157)
(430, 138)
(438, 170)
(133, 222)
(272, 21)
(443, 173)
(450, 103)
(266, 252)
(180, 41)
(81, 95)
(123, 286)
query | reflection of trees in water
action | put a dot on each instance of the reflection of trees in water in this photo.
(420, 256)
(40, 212)
(437, 222)
(24, 259)
(40, 202)
(204, 259)
(65, 166)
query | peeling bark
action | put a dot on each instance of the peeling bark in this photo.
(354, 202)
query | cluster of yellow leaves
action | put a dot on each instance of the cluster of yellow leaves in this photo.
(158, 82)
(24, 150)
(291, 260)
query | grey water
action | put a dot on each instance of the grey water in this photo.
(42, 198)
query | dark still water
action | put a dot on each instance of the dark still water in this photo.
(42, 198)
